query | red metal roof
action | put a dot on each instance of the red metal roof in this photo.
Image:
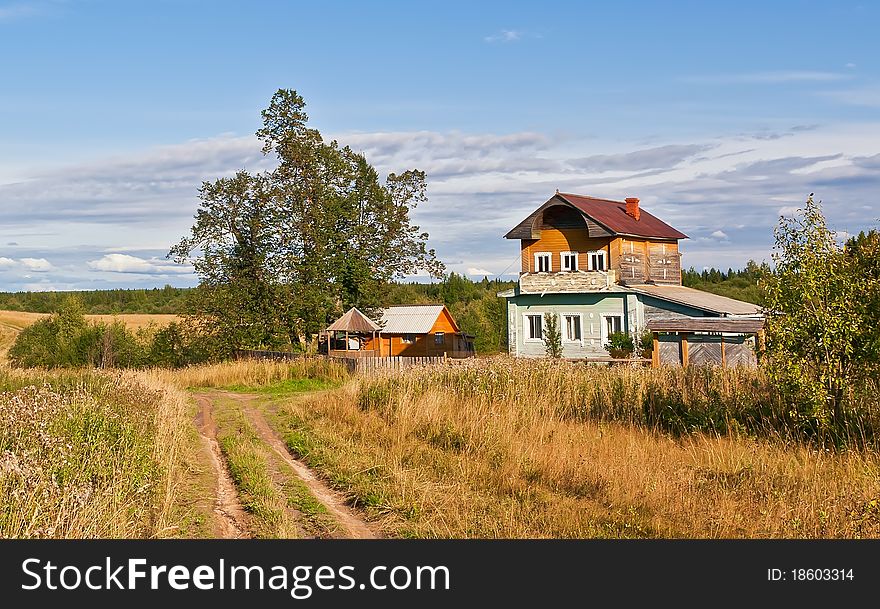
(612, 215)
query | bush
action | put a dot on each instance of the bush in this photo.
(620, 344)
(646, 343)
(67, 339)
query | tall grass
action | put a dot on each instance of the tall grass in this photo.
(86, 454)
(675, 400)
(546, 449)
(251, 373)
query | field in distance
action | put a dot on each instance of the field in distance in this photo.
(13, 322)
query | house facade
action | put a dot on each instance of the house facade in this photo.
(601, 266)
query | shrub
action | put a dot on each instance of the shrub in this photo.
(620, 344)
(552, 336)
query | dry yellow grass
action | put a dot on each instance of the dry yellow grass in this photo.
(89, 454)
(250, 373)
(456, 453)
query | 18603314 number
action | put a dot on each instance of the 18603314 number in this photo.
(833, 574)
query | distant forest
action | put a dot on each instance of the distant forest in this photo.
(474, 304)
(741, 284)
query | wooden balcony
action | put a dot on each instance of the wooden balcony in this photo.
(566, 281)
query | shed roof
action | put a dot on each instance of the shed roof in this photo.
(410, 319)
(607, 213)
(698, 299)
(354, 321)
(706, 324)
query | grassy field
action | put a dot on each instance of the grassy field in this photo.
(542, 449)
(87, 454)
(494, 448)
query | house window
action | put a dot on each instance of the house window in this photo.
(610, 325)
(408, 338)
(597, 260)
(542, 262)
(571, 327)
(569, 261)
(534, 327)
(439, 338)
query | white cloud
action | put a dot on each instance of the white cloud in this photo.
(505, 36)
(864, 96)
(770, 78)
(719, 234)
(40, 265)
(123, 263)
(478, 271)
(11, 12)
(479, 186)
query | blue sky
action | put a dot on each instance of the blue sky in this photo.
(719, 116)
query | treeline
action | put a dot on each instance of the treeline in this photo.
(741, 284)
(100, 302)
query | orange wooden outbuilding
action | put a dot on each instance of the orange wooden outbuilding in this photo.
(407, 331)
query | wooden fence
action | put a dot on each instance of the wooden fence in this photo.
(367, 364)
(354, 363)
(262, 354)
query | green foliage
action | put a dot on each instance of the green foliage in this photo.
(280, 254)
(67, 339)
(822, 345)
(552, 335)
(741, 284)
(620, 344)
(646, 341)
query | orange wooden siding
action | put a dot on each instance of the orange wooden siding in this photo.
(621, 252)
(556, 241)
(423, 344)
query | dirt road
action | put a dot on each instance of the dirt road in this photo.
(351, 524)
(230, 517)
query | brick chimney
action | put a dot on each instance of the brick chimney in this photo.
(632, 207)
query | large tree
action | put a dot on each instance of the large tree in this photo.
(823, 342)
(281, 252)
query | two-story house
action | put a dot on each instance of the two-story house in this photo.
(601, 266)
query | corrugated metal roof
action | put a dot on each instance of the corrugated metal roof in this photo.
(706, 301)
(410, 319)
(706, 324)
(354, 321)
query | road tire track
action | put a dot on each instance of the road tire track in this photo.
(229, 515)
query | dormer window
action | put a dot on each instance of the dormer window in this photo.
(569, 261)
(597, 260)
(542, 262)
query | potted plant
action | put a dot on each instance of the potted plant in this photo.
(620, 345)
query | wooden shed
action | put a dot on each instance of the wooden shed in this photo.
(720, 341)
(418, 331)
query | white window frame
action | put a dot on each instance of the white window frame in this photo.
(442, 338)
(527, 328)
(562, 256)
(549, 256)
(601, 253)
(603, 328)
(564, 327)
